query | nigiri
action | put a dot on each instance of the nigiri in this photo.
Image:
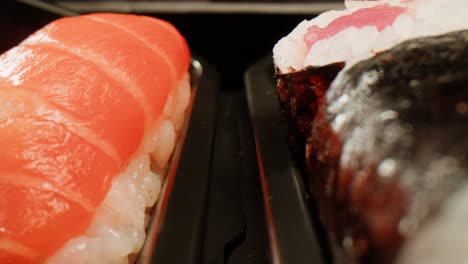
(363, 29)
(87, 105)
(375, 101)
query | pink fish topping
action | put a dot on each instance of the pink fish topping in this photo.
(379, 16)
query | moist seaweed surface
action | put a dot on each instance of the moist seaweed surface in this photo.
(387, 142)
(299, 94)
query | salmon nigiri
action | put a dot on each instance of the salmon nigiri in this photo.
(86, 104)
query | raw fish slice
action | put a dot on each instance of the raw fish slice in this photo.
(87, 95)
(48, 175)
(158, 34)
(126, 59)
(379, 16)
(36, 142)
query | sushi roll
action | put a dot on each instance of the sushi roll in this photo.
(91, 109)
(309, 58)
(375, 101)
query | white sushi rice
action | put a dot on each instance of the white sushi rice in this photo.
(423, 18)
(118, 227)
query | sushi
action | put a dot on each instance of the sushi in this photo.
(318, 49)
(91, 109)
(375, 101)
(365, 28)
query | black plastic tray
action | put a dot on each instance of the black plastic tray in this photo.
(175, 231)
(293, 229)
